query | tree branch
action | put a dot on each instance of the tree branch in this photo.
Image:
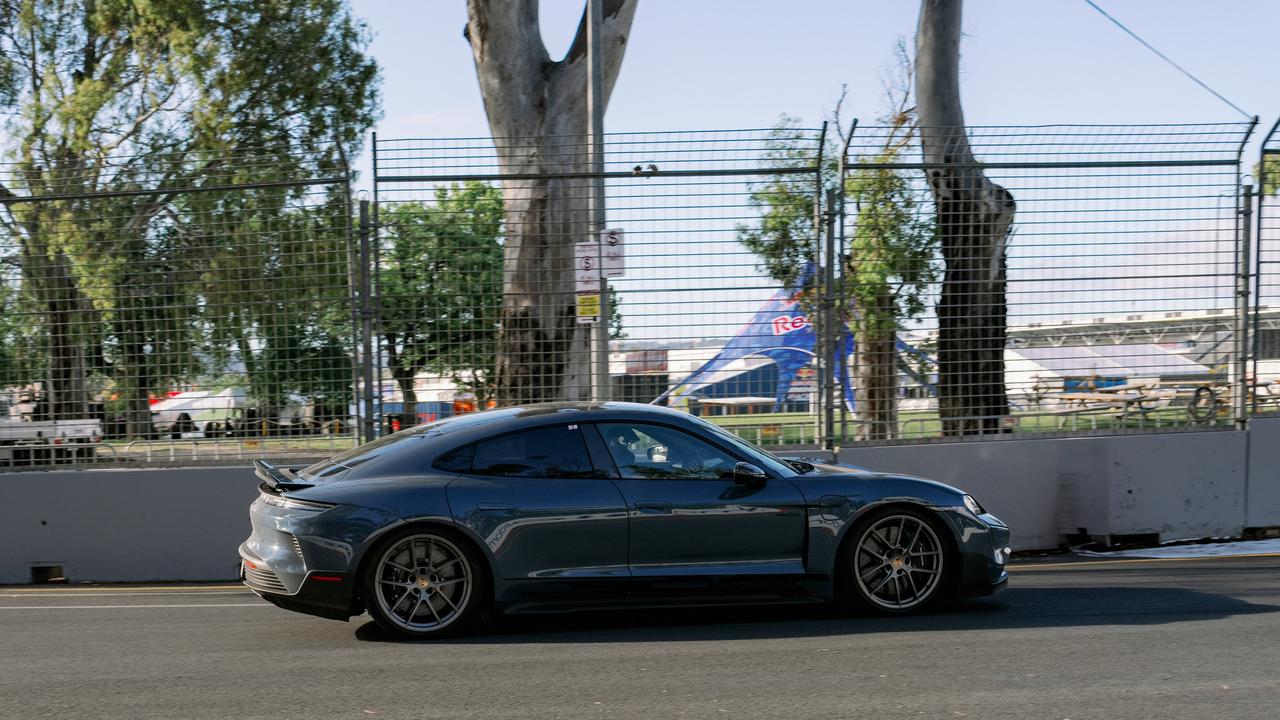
(615, 28)
(510, 58)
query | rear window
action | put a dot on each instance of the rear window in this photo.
(549, 452)
(355, 457)
(358, 456)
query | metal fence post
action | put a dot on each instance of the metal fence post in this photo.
(366, 326)
(1244, 388)
(821, 431)
(831, 339)
(355, 280)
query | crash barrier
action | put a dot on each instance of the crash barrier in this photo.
(186, 523)
(1163, 486)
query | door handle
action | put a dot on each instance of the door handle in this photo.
(496, 508)
(654, 506)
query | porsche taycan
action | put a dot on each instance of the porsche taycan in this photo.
(571, 506)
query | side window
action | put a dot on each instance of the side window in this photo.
(550, 452)
(456, 461)
(655, 452)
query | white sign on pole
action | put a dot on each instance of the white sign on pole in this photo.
(614, 262)
(586, 268)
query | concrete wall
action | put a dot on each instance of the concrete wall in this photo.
(185, 524)
(1180, 485)
(1263, 496)
(125, 525)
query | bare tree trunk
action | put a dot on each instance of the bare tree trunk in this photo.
(130, 334)
(974, 216)
(875, 370)
(537, 114)
(409, 396)
(49, 276)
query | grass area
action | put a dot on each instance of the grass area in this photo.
(226, 448)
(801, 428)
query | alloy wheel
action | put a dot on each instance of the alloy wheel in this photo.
(898, 563)
(424, 583)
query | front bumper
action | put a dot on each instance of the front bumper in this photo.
(984, 553)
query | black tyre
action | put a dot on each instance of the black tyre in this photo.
(897, 560)
(1204, 404)
(424, 582)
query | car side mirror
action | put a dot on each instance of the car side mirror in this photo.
(744, 473)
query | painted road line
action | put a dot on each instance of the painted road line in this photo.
(128, 588)
(124, 594)
(132, 607)
(1067, 565)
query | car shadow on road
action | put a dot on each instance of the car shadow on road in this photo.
(1015, 608)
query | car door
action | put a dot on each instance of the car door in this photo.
(689, 517)
(537, 501)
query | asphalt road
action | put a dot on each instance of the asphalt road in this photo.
(1106, 640)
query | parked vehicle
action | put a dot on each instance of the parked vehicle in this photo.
(48, 442)
(567, 506)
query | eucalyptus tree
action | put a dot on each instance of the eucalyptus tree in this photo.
(110, 95)
(974, 216)
(536, 108)
(441, 289)
(890, 260)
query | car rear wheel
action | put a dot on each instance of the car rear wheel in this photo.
(423, 583)
(898, 562)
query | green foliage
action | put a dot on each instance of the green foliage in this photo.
(108, 95)
(893, 249)
(616, 329)
(892, 244)
(441, 285)
(1270, 179)
(785, 238)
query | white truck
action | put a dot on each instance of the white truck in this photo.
(47, 442)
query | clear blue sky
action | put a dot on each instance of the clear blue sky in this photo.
(739, 63)
(720, 64)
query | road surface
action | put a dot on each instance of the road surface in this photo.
(1076, 640)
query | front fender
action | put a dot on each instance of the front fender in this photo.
(836, 503)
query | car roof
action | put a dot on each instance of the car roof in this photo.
(428, 441)
(492, 420)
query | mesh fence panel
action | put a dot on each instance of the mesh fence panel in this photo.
(1116, 283)
(790, 288)
(191, 313)
(689, 287)
(1266, 316)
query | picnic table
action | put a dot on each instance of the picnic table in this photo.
(1119, 404)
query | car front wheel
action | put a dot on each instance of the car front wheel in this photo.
(898, 562)
(423, 583)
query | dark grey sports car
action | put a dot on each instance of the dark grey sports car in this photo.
(566, 506)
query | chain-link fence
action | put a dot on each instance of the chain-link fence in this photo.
(798, 289)
(684, 293)
(799, 286)
(174, 309)
(1265, 325)
(1102, 296)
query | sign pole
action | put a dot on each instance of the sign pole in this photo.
(595, 109)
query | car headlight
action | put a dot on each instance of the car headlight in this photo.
(973, 505)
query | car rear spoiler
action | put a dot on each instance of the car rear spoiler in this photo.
(276, 479)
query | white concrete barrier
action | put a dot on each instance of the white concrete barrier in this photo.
(185, 524)
(125, 525)
(1179, 485)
